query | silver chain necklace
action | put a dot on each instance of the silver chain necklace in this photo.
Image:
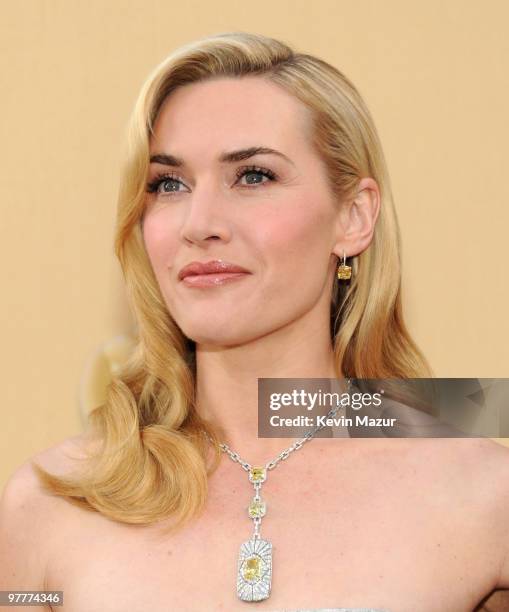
(254, 566)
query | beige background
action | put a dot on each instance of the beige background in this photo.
(434, 75)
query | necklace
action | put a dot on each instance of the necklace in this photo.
(254, 566)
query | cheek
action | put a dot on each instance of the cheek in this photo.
(300, 236)
(294, 248)
(159, 239)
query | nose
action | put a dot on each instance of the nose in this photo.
(206, 218)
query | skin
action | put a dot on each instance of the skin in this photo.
(396, 524)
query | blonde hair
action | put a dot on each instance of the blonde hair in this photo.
(148, 462)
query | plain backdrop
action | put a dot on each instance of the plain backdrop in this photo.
(434, 75)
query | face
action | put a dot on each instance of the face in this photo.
(270, 213)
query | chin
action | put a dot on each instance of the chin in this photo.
(217, 340)
(222, 333)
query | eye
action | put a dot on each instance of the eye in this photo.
(252, 171)
(167, 184)
(164, 184)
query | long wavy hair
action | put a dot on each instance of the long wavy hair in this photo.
(147, 457)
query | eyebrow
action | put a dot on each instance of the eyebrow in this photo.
(228, 157)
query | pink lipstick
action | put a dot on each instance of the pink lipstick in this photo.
(211, 273)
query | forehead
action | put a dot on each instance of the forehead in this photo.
(229, 112)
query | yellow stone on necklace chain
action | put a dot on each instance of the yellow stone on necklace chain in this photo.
(257, 474)
(257, 508)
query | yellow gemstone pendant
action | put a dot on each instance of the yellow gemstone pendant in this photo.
(252, 568)
(254, 571)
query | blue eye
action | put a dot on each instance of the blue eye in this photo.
(167, 183)
(162, 180)
(254, 170)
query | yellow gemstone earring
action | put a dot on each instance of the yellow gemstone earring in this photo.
(344, 271)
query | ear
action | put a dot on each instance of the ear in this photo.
(356, 219)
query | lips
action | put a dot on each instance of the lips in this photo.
(217, 266)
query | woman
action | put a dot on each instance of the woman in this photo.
(254, 176)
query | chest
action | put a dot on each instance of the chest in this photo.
(386, 541)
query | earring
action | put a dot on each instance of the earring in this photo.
(344, 271)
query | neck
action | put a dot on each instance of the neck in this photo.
(227, 383)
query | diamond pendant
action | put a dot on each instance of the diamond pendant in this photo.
(254, 568)
(254, 571)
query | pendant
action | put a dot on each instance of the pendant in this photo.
(254, 568)
(254, 571)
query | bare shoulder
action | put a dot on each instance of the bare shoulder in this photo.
(27, 512)
(23, 488)
(481, 465)
(488, 460)
(475, 456)
(64, 457)
(463, 473)
(496, 458)
(59, 459)
(483, 483)
(469, 478)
